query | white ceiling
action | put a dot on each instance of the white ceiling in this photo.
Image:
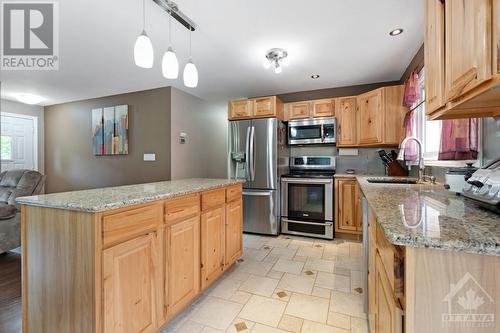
(344, 41)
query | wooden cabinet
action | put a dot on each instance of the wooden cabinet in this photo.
(323, 108)
(130, 283)
(468, 45)
(389, 316)
(381, 116)
(241, 109)
(347, 122)
(370, 117)
(298, 110)
(234, 231)
(348, 219)
(212, 245)
(262, 107)
(182, 265)
(434, 55)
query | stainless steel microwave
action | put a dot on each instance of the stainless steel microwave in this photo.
(311, 131)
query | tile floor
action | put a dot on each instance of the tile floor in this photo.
(283, 284)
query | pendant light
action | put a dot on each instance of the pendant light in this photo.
(190, 74)
(169, 63)
(143, 49)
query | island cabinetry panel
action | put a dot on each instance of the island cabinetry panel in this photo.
(234, 231)
(182, 263)
(181, 208)
(130, 284)
(212, 245)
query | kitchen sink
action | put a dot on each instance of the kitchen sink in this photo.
(392, 180)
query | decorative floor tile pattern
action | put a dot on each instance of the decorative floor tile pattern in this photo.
(283, 284)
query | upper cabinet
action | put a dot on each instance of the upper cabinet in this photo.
(381, 115)
(310, 109)
(323, 108)
(262, 107)
(347, 124)
(298, 110)
(461, 58)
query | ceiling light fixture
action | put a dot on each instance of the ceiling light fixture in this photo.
(276, 58)
(190, 74)
(143, 49)
(315, 76)
(29, 98)
(396, 32)
(169, 63)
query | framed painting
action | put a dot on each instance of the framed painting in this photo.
(97, 132)
(110, 130)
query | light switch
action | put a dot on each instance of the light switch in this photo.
(149, 157)
(182, 138)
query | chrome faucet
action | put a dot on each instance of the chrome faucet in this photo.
(421, 168)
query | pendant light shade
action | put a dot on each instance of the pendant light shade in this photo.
(170, 65)
(190, 75)
(143, 51)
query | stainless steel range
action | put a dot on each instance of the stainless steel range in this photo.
(307, 197)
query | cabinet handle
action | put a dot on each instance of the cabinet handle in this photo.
(461, 82)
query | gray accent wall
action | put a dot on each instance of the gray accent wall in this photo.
(204, 154)
(29, 110)
(69, 161)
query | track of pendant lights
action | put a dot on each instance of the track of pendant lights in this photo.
(144, 53)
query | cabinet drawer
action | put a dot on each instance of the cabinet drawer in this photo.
(183, 207)
(233, 193)
(213, 198)
(130, 223)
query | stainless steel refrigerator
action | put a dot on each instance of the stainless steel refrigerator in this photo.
(258, 154)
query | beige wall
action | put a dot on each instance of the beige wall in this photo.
(29, 110)
(205, 152)
(69, 161)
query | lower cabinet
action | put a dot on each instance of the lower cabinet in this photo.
(130, 284)
(347, 206)
(182, 264)
(212, 245)
(234, 231)
(389, 316)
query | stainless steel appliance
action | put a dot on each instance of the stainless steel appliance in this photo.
(455, 178)
(307, 197)
(311, 131)
(484, 186)
(258, 155)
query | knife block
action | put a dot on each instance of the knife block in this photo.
(394, 169)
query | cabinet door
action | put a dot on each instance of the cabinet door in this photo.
(468, 45)
(265, 107)
(324, 108)
(388, 314)
(182, 281)
(347, 206)
(298, 110)
(370, 117)
(241, 109)
(434, 55)
(130, 285)
(234, 231)
(347, 122)
(212, 245)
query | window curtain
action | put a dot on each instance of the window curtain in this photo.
(459, 139)
(411, 99)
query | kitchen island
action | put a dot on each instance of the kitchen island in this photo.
(128, 258)
(433, 260)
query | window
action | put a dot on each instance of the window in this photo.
(6, 147)
(428, 131)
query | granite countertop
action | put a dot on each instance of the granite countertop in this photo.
(426, 215)
(102, 199)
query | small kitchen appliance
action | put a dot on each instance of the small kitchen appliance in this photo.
(455, 178)
(484, 186)
(312, 131)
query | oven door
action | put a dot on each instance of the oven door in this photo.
(308, 199)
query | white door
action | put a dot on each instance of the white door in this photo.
(17, 143)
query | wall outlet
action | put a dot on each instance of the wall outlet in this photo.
(348, 152)
(149, 157)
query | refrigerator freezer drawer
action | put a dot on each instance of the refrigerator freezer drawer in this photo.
(260, 211)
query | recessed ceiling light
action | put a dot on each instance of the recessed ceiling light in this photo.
(29, 98)
(396, 32)
(315, 76)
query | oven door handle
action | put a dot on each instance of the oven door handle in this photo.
(309, 223)
(306, 181)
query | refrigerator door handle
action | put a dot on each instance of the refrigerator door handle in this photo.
(247, 159)
(258, 194)
(252, 153)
